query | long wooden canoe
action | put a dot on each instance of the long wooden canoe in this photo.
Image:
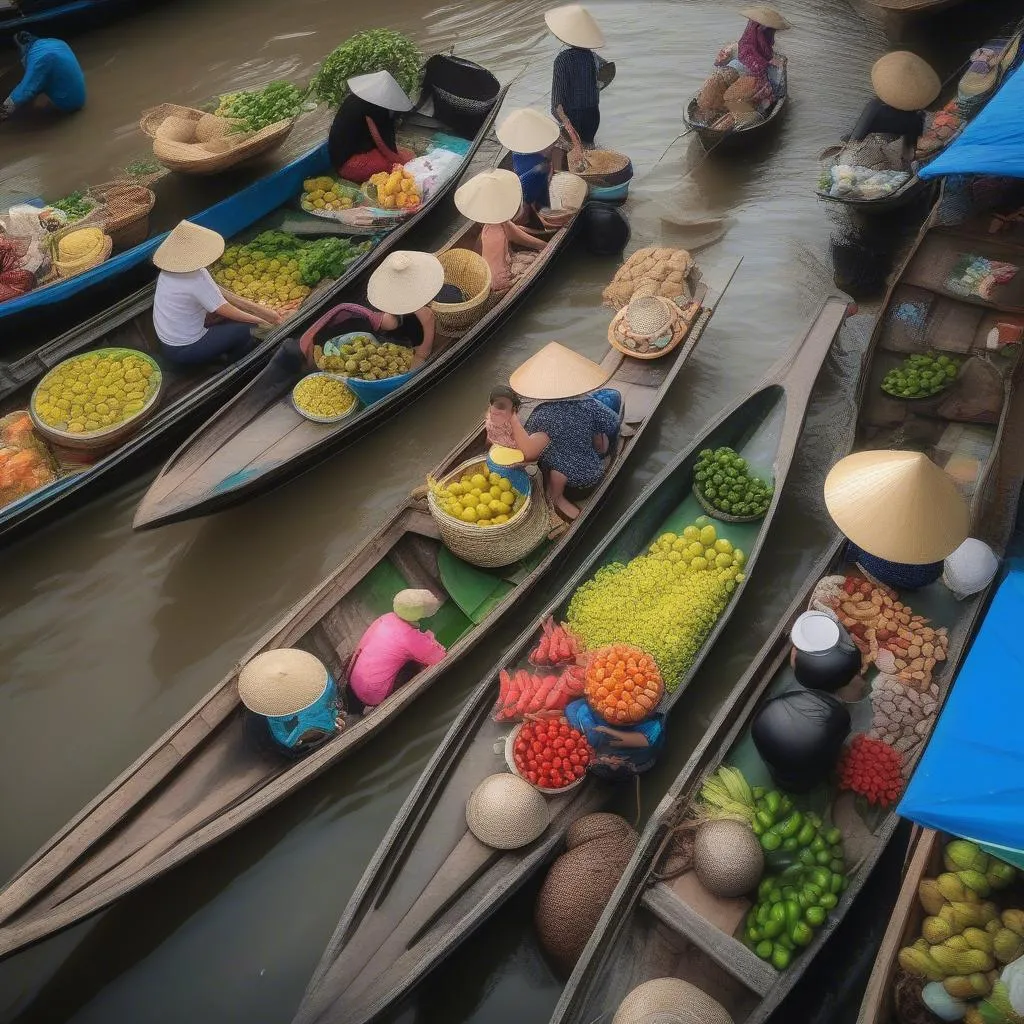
(60, 16)
(431, 882)
(654, 928)
(192, 393)
(258, 441)
(201, 780)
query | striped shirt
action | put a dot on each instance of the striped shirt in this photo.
(574, 85)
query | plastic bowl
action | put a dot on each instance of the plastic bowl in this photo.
(323, 419)
(510, 760)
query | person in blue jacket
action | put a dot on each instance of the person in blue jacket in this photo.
(51, 70)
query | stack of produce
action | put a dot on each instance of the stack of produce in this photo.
(965, 937)
(558, 645)
(674, 596)
(920, 376)
(323, 396)
(724, 483)
(256, 109)
(805, 869)
(25, 462)
(96, 391)
(623, 684)
(15, 280)
(651, 271)
(326, 193)
(277, 269)
(871, 769)
(378, 49)
(74, 207)
(479, 497)
(903, 717)
(81, 250)
(365, 358)
(394, 190)
(522, 693)
(549, 753)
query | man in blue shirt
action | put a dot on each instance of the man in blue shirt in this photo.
(51, 70)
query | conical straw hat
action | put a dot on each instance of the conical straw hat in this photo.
(528, 131)
(382, 89)
(904, 81)
(670, 1001)
(187, 248)
(897, 505)
(575, 26)
(405, 281)
(557, 372)
(413, 605)
(506, 812)
(282, 682)
(567, 191)
(491, 197)
(767, 16)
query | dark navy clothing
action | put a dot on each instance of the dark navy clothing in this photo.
(574, 85)
(878, 117)
(571, 424)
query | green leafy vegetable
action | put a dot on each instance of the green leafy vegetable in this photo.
(75, 206)
(378, 49)
(256, 109)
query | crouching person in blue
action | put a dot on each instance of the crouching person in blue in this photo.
(620, 751)
(51, 70)
(292, 701)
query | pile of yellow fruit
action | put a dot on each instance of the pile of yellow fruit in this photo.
(480, 497)
(274, 281)
(325, 193)
(95, 391)
(699, 548)
(322, 395)
(396, 190)
(365, 358)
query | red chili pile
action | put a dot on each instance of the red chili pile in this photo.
(872, 769)
(557, 645)
(549, 753)
(521, 693)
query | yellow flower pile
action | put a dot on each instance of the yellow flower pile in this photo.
(323, 396)
(274, 281)
(483, 498)
(396, 190)
(95, 391)
(325, 193)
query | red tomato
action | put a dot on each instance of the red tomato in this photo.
(563, 729)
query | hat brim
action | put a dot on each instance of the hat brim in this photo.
(903, 81)
(381, 88)
(525, 133)
(575, 26)
(557, 372)
(403, 291)
(185, 251)
(492, 197)
(767, 16)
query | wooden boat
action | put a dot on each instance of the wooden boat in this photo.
(192, 393)
(730, 140)
(258, 441)
(431, 882)
(670, 928)
(201, 780)
(913, 190)
(46, 17)
(899, 15)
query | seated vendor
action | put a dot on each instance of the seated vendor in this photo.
(750, 78)
(51, 71)
(403, 287)
(531, 137)
(293, 697)
(390, 644)
(619, 751)
(492, 199)
(195, 320)
(570, 431)
(904, 85)
(345, 318)
(575, 88)
(362, 141)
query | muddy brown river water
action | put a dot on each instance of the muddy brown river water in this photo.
(107, 636)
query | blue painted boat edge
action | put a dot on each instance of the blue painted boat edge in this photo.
(24, 21)
(230, 216)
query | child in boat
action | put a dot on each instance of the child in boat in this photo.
(195, 320)
(390, 644)
(492, 199)
(904, 85)
(575, 87)
(51, 71)
(572, 429)
(619, 751)
(531, 137)
(362, 141)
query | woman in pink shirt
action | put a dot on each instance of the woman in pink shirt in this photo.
(391, 643)
(492, 199)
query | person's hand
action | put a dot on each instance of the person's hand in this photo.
(271, 316)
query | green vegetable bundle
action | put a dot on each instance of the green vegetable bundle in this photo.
(256, 109)
(722, 478)
(76, 206)
(320, 258)
(921, 375)
(378, 49)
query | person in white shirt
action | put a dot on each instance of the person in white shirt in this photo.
(195, 320)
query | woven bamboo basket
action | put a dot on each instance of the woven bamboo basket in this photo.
(600, 167)
(128, 205)
(192, 141)
(669, 328)
(493, 546)
(470, 273)
(65, 268)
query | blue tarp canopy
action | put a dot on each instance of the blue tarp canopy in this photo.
(970, 780)
(993, 143)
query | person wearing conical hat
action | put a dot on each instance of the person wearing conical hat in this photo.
(402, 288)
(195, 320)
(530, 136)
(904, 86)
(750, 73)
(575, 85)
(492, 199)
(392, 643)
(362, 140)
(573, 428)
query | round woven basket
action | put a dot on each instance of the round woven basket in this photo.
(600, 167)
(325, 419)
(108, 437)
(128, 205)
(669, 322)
(470, 273)
(723, 517)
(493, 546)
(510, 760)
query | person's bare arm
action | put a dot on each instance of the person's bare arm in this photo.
(259, 314)
(517, 235)
(531, 445)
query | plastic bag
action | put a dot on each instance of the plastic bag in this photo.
(433, 170)
(22, 222)
(25, 461)
(523, 693)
